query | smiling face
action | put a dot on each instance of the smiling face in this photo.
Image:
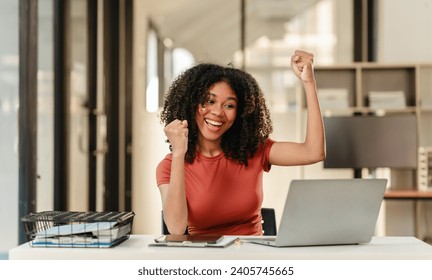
(217, 114)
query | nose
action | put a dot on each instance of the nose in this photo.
(216, 111)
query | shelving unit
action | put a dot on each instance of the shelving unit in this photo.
(410, 82)
(357, 81)
(360, 79)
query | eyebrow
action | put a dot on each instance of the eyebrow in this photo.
(229, 98)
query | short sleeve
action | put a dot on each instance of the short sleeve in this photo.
(163, 171)
(266, 154)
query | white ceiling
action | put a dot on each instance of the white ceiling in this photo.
(210, 29)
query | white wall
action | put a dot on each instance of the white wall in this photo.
(8, 125)
(404, 31)
(148, 146)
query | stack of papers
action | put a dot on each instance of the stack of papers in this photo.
(97, 234)
(333, 98)
(387, 100)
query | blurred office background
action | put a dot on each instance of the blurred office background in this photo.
(90, 133)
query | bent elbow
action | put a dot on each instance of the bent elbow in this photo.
(315, 152)
(322, 157)
(177, 230)
(318, 157)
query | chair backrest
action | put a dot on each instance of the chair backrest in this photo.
(268, 222)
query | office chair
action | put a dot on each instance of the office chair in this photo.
(268, 222)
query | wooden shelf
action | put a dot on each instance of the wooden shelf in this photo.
(407, 194)
(346, 90)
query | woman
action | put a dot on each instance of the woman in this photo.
(218, 127)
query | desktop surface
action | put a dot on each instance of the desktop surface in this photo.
(136, 248)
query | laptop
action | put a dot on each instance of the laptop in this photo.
(328, 212)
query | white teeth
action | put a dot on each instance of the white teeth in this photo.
(215, 123)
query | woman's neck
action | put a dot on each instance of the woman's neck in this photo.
(209, 148)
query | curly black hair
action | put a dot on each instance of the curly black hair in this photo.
(190, 89)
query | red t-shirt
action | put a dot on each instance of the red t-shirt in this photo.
(223, 196)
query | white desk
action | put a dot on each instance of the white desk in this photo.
(136, 248)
